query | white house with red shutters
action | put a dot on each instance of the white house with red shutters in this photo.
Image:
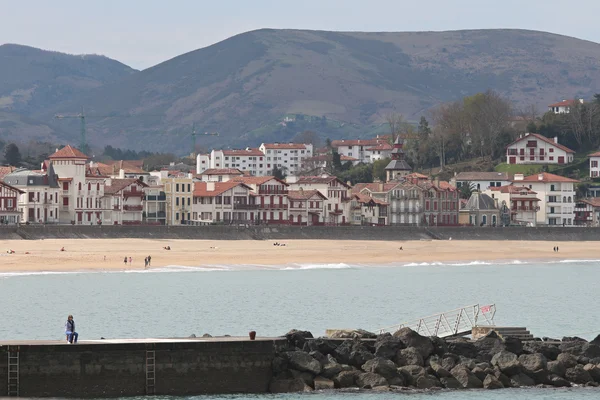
(123, 200)
(335, 191)
(222, 202)
(270, 197)
(564, 107)
(533, 148)
(9, 211)
(594, 164)
(307, 207)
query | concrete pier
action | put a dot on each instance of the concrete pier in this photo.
(134, 367)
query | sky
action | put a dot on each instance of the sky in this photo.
(143, 33)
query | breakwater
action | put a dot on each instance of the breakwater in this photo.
(283, 232)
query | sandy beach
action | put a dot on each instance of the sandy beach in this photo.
(108, 254)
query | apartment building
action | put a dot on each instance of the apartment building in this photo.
(532, 148)
(222, 202)
(289, 157)
(270, 195)
(367, 210)
(9, 211)
(178, 189)
(481, 181)
(155, 204)
(123, 200)
(594, 164)
(364, 150)
(249, 161)
(336, 192)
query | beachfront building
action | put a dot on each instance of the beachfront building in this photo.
(481, 181)
(367, 210)
(336, 193)
(556, 197)
(288, 157)
(178, 189)
(9, 210)
(480, 210)
(522, 201)
(250, 161)
(306, 207)
(222, 202)
(532, 148)
(155, 204)
(364, 150)
(219, 174)
(270, 195)
(123, 201)
(398, 167)
(38, 201)
(594, 164)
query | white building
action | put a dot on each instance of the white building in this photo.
(481, 180)
(364, 150)
(556, 196)
(336, 192)
(288, 157)
(9, 210)
(563, 107)
(251, 161)
(221, 202)
(367, 210)
(123, 200)
(307, 207)
(219, 174)
(594, 165)
(270, 195)
(522, 202)
(532, 148)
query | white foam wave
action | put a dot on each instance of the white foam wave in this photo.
(295, 267)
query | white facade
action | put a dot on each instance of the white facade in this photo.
(481, 181)
(595, 165)
(123, 199)
(288, 157)
(336, 192)
(203, 163)
(533, 148)
(38, 203)
(221, 202)
(563, 107)
(522, 202)
(364, 150)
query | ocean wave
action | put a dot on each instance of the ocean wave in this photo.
(295, 267)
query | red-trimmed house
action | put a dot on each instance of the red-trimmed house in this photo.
(270, 195)
(306, 207)
(9, 212)
(532, 148)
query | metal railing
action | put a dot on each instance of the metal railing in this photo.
(450, 323)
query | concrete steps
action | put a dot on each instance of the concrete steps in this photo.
(521, 333)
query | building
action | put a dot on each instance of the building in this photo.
(481, 181)
(178, 189)
(9, 211)
(367, 210)
(522, 201)
(564, 107)
(222, 202)
(250, 161)
(480, 210)
(155, 205)
(306, 207)
(594, 165)
(398, 167)
(364, 150)
(38, 202)
(321, 163)
(532, 148)
(219, 174)
(441, 203)
(288, 157)
(270, 195)
(123, 201)
(556, 196)
(336, 193)
(587, 212)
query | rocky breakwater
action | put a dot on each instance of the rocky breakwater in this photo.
(407, 360)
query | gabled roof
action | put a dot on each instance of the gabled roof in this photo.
(483, 176)
(129, 166)
(304, 180)
(284, 146)
(564, 103)
(365, 199)
(6, 170)
(222, 171)
(416, 175)
(594, 201)
(304, 194)
(257, 180)
(116, 185)
(529, 136)
(547, 177)
(201, 188)
(381, 146)
(596, 154)
(512, 189)
(398, 165)
(374, 187)
(68, 152)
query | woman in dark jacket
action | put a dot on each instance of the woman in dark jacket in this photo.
(70, 330)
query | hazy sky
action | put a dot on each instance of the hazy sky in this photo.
(142, 33)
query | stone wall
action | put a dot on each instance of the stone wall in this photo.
(182, 368)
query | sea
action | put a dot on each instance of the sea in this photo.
(553, 299)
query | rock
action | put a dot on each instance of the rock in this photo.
(193, 335)
(409, 356)
(387, 346)
(572, 347)
(550, 351)
(317, 355)
(353, 334)
(520, 379)
(368, 380)
(303, 362)
(207, 335)
(590, 350)
(568, 360)
(297, 338)
(279, 364)
(427, 382)
(352, 352)
(533, 362)
(467, 362)
(466, 378)
(479, 373)
(331, 368)
(323, 383)
(505, 380)
(451, 383)
(381, 366)
(288, 386)
(558, 381)
(345, 379)
(323, 346)
(488, 345)
(594, 371)
(514, 345)
(573, 339)
(411, 338)
(491, 382)
(440, 347)
(557, 368)
(411, 373)
(596, 341)
(448, 363)
(578, 374)
(462, 347)
(507, 362)
(439, 371)
(306, 377)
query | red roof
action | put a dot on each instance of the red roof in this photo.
(512, 189)
(243, 152)
(543, 139)
(257, 180)
(222, 171)
(382, 146)
(68, 152)
(596, 154)
(318, 179)
(564, 103)
(374, 187)
(116, 185)
(304, 194)
(547, 177)
(201, 188)
(5, 171)
(594, 202)
(365, 199)
(286, 146)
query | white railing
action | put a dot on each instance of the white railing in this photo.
(450, 323)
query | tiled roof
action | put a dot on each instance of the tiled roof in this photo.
(594, 201)
(483, 176)
(222, 171)
(547, 177)
(68, 152)
(129, 166)
(381, 146)
(596, 154)
(356, 142)
(374, 187)
(543, 139)
(116, 185)
(304, 194)
(201, 188)
(416, 175)
(564, 103)
(284, 146)
(257, 180)
(5, 171)
(318, 179)
(363, 198)
(512, 189)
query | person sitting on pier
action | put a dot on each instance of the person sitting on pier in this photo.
(70, 330)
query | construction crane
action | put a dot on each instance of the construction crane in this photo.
(195, 134)
(81, 116)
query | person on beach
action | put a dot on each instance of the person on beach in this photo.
(146, 263)
(149, 260)
(70, 330)
(125, 261)
(130, 261)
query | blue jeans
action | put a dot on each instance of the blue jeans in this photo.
(72, 336)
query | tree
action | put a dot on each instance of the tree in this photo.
(307, 137)
(396, 123)
(336, 161)
(531, 127)
(423, 130)
(12, 155)
(466, 190)
(378, 171)
(278, 173)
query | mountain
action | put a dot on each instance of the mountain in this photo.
(336, 83)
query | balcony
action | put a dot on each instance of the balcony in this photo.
(273, 191)
(525, 208)
(66, 192)
(117, 208)
(129, 193)
(128, 207)
(273, 206)
(160, 215)
(161, 197)
(246, 206)
(401, 210)
(336, 211)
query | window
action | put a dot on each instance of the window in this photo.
(551, 150)
(552, 188)
(594, 164)
(551, 158)
(189, 200)
(177, 216)
(176, 201)
(189, 188)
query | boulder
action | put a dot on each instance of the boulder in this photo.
(428, 382)
(301, 361)
(594, 371)
(488, 345)
(411, 373)
(279, 364)
(345, 379)
(572, 347)
(297, 338)
(288, 386)
(507, 362)
(409, 356)
(368, 380)
(557, 368)
(504, 379)
(353, 334)
(323, 346)
(550, 351)
(323, 383)
(514, 345)
(331, 368)
(207, 335)
(596, 341)
(558, 381)
(306, 377)
(439, 371)
(352, 352)
(467, 362)
(440, 347)
(411, 338)
(521, 379)
(466, 378)
(381, 366)
(567, 359)
(533, 362)
(479, 372)
(462, 347)
(317, 355)
(387, 346)
(448, 363)
(491, 382)
(451, 383)
(578, 374)
(590, 350)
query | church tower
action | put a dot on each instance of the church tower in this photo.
(398, 167)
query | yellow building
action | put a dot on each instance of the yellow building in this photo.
(179, 190)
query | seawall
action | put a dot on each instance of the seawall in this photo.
(111, 369)
(397, 233)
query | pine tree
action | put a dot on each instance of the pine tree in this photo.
(12, 155)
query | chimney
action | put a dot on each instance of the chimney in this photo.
(437, 181)
(121, 174)
(381, 186)
(210, 186)
(555, 139)
(519, 177)
(540, 177)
